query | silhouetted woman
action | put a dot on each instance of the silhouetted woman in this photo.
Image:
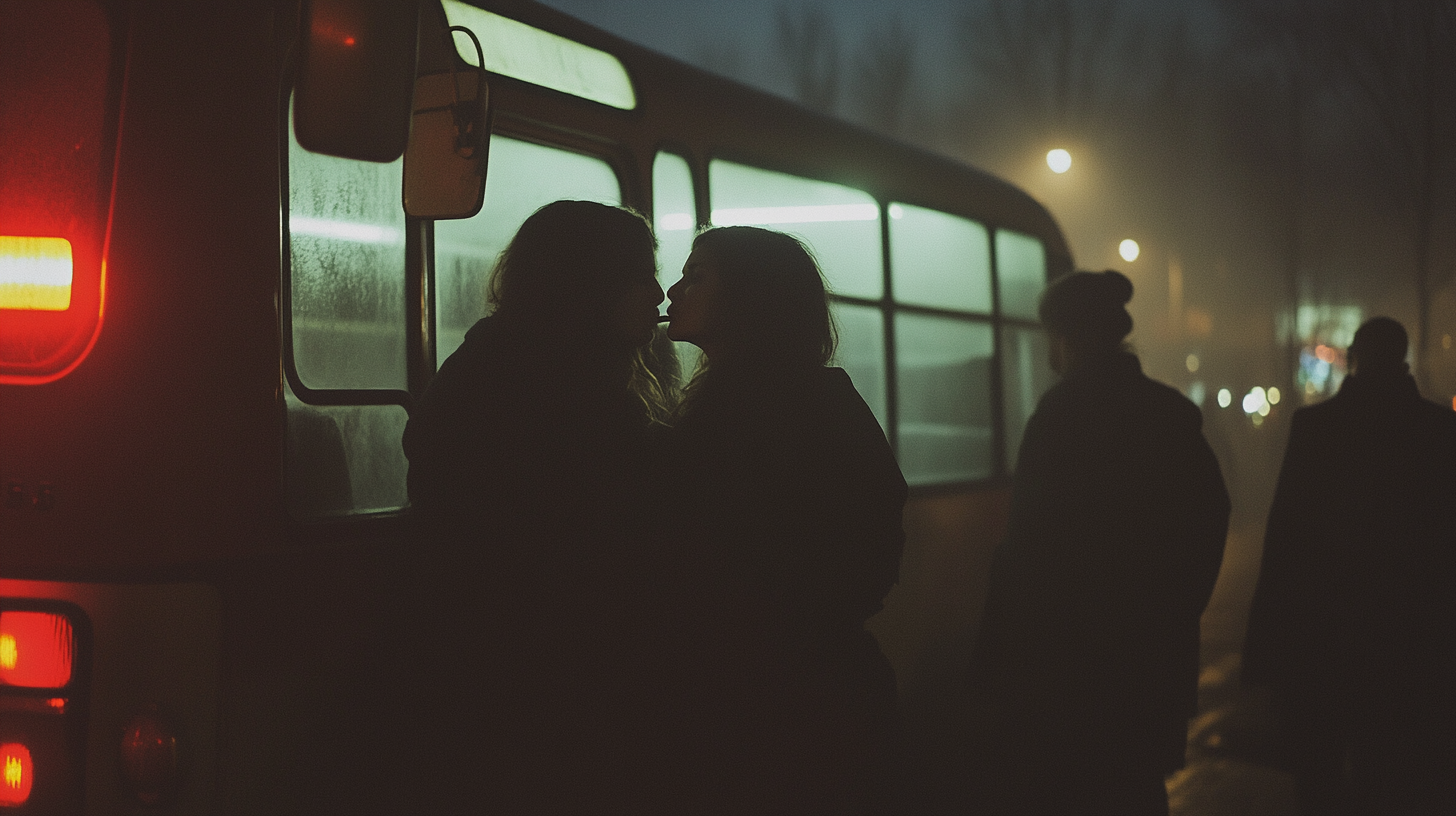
(1088, 651)
(530, 454)
(792, 502)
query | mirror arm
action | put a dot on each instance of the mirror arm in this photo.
(466, 114)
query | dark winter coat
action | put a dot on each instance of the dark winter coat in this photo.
(530, 464)
(1089, 643)
(1353, 618)
(790, 511)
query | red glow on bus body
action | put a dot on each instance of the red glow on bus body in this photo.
(57, 172)
(36, 649)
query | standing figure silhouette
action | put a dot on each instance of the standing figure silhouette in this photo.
(1088, 652)
(791, 502)
(1352, 622)
(530, 460)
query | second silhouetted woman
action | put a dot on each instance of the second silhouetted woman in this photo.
(792, 503)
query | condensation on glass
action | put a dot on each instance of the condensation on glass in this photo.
(529, 54)
(522, 178)
(1021, 272)
(943, 385)
(939, 260)
(840, 224)
(344, 459)
(347, 249)
(861, 352)
(1026, 374)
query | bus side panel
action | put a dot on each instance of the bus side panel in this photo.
(154, 648)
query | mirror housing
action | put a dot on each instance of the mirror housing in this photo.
(444, 165)
(449, 140)
(356, 78)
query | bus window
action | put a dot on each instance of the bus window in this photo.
(674, 216)
(522, 177)
(840, 224)
(943, 370)
(862, 352)
(347, 240)
(675, 220)
(550, 60)
(939, 260)
(1026, 374)
(1021, 272)
(344, 459)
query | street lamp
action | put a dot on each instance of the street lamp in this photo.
(1059, 160)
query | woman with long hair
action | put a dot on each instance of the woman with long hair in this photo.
(1088, 652)
(791, 501)
(530, 462)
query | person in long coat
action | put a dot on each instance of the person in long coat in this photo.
(1353, 625)
(790, 507)
(1088, 652)
(531, 457)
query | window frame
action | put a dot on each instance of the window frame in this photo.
(421, 319)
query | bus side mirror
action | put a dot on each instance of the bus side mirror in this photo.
(444, 165)
(355, 80)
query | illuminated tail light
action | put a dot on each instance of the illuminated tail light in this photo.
(59, 80)
(44, 685)
(18, 770)
(36, 649)
(35, 273)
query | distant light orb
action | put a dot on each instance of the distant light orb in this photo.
(1059, 160)
(1225, 398)
(1129, 250)
(1273, 396)
(1191, 363)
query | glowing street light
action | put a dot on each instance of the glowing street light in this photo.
(1128, 249)
(1059, 160)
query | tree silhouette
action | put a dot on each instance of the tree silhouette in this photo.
(808, 46)
(886, 75)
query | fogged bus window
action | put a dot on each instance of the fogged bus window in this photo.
(939, 260)
(841, 224)
(1021, 271)
(344, 459)
(862, 352)
(346, 237)
(522, 177)
(1026, 374)
(346, 233)
(944, 385)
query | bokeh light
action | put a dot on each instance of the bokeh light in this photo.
(1059, 160)
(1129, 249)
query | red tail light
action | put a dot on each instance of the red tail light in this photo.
(58, 77)
(36, 649)
(16, 772)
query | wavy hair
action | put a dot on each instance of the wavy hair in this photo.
(568, 261)
(773, 312)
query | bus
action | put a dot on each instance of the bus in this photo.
(234, 247)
